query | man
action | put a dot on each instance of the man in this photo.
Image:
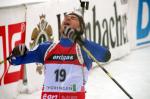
(66, 64)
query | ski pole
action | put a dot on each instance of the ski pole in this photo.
(108, 74)
(1, 62)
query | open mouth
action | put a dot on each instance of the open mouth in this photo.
(66, 23)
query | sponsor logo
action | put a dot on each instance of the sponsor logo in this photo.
(50, 96)
(69, 97)
(46, 96)
(41, 33)
(9, 38)
(72, 87)
(63, 57)
(143, 30)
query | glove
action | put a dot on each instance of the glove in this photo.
(73, 35)
(19, 50)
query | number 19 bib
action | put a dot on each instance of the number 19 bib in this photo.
(64, 69)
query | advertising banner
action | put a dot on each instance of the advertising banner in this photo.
(139, 23)
(107, 25)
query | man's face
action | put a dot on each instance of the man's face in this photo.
(71, 21)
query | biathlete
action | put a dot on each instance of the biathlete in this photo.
(66, 64)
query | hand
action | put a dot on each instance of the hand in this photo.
(19, 50)
(73, 35)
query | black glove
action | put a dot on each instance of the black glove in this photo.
(73, 35)
(19, 50)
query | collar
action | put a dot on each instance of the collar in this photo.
(65, 42)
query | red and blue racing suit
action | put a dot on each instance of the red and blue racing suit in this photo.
(66, 66)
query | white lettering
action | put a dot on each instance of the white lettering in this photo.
(45, 96)
(63, 57)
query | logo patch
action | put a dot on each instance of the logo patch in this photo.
(63, 57)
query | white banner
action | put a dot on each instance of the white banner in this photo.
(106, 24)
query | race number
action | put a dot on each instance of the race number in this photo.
(60, 75)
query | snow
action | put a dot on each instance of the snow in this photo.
(132, 72)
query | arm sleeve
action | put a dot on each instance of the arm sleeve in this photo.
(35, 55)
(102, 54)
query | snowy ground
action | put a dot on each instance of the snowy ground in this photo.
(132, 72)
